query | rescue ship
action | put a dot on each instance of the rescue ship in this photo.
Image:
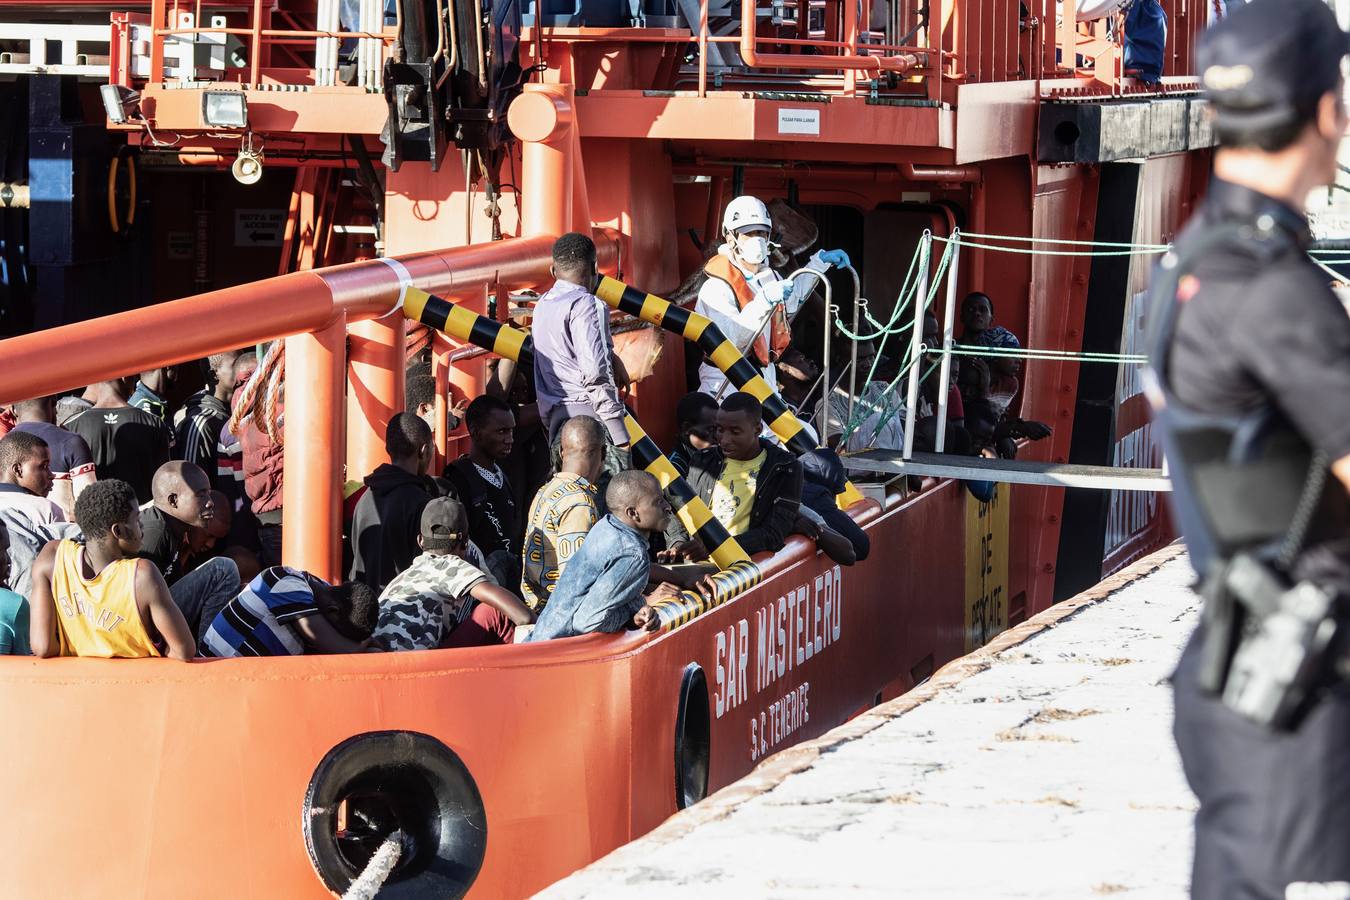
(185, 177)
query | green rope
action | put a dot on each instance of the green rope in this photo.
(855, 421)
(1033, 252)
(1029, 353)
(1040, 240)
(891, 390)
(908, 286)
(907, 293)
(1335, 276)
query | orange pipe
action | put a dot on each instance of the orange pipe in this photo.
(581, 203)
(440, 369)
(753, 59)
(375, 389)
(960, 174)
(41, 363)
(712, 223)
(313, 434)
(542, 118)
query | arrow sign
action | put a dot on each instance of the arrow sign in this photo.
(259, 227)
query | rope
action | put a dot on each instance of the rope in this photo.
(889, 409)
(908, 293)
(268, 375)
(377, 871)
(1149, 251)
(1028, 353)
(856, 420)
(271, 422)
(1040, 240)
(1335, 276)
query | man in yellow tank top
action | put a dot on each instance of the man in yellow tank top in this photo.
(95, 598)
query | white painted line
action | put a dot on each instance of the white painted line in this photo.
(404, 281)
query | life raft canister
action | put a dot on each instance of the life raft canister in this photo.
(767, 347)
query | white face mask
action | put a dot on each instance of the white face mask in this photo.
(754, 249)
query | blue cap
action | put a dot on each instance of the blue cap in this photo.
(1268, 59)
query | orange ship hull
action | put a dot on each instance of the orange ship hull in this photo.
(190, 779)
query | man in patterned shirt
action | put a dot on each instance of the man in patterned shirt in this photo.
(442, 600)
(564, 509)
(286, 612)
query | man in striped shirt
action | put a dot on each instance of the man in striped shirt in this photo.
(286, 612)
(197, 425)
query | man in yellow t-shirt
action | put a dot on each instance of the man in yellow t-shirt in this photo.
(753, 487)
(734, 493)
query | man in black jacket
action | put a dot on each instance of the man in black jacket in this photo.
(753, 487)
(388, 516)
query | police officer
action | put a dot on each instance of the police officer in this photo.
(1253, 363)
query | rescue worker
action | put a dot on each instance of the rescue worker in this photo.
(746, 299)
(1250, 379)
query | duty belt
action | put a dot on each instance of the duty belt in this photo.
(1269, 642)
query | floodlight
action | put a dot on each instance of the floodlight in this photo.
(120, 103)
(225, 109)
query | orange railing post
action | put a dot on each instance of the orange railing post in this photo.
(255, 44)
(441, 349)
(1068, 36)
(703, 48)
(375, 389)
(158, 12)
(937, 21)
(311, 537)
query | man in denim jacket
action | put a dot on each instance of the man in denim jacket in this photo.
(602, 587)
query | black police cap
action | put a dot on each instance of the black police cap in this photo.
(1268, 58)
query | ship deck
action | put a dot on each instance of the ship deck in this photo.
(1042, 765)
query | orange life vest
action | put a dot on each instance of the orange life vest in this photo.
(768, 346)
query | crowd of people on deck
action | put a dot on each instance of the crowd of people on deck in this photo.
(139, 520)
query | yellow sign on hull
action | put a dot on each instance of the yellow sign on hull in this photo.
(986, 567)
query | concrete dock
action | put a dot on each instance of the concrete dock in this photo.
(1040, 766)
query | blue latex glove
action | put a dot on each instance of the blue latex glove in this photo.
(837, 258)
(778, 291)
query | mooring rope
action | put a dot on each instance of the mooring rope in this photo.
(266, 380)
(367, 885)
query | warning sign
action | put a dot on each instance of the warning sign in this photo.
(986, 568)
(259, 227)
(180, 245)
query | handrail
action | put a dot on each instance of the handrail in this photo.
(850, 61)
(72, 356)
(256, 35)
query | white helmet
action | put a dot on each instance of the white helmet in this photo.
(744, 212)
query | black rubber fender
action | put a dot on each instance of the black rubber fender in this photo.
(693, 738)
(397, 780)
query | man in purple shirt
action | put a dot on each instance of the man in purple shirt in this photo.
(573, 371)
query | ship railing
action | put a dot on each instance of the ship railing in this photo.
(921, 287)
(928, 47)
(174, 45)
